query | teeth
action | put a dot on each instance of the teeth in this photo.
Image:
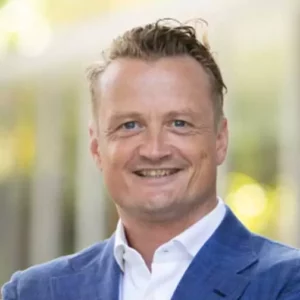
(155, 173)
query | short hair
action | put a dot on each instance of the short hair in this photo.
(164, 38)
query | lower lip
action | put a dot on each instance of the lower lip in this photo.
(159, 180)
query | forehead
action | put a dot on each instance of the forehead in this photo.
(166, 82)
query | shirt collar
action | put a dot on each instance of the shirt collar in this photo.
(192, 239)
(120, 245)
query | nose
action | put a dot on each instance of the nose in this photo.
(155, 147)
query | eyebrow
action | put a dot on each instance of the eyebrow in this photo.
(120, 116)
(183, 112)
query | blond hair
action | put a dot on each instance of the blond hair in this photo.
(164, 38)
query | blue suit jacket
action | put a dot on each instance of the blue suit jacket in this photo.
(234, 264)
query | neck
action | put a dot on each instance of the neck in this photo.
(146, 236)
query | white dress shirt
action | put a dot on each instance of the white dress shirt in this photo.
(170, 260)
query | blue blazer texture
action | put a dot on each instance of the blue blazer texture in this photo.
(233, 265)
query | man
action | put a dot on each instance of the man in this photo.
(158, 135)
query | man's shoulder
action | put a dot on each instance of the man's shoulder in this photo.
(39, 275)
(64, 265)
(272, 253)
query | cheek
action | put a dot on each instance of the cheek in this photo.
(198, 150)
(205, 168)
(115, 155)
(112, 163)
(205, 163)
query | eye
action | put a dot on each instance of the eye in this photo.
(130, 125)
(179, 123)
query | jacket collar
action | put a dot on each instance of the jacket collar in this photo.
(217, 271)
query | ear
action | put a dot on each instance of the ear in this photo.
(94, 144)
(222, 141)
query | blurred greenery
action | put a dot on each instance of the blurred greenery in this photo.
(2, 3)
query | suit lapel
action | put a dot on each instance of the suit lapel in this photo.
(98, 280)
(217, 270)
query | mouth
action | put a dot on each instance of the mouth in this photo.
(156, 173)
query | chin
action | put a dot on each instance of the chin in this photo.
(160, 206)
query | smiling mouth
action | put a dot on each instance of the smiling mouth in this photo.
(156, 173)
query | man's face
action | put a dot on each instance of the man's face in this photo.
(156, 144)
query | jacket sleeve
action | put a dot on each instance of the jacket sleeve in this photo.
(10, 289)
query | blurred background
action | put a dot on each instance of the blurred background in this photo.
(52, 200)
